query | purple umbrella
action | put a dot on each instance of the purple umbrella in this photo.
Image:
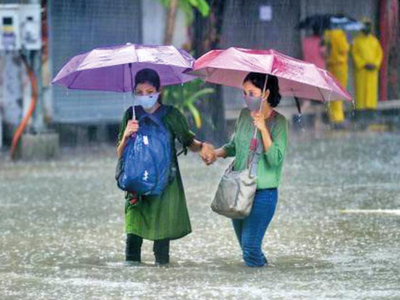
(113, 68)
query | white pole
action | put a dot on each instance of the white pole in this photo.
(133, 91)
(1, 130)
(262, 103)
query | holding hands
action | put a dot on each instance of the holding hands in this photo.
(207, 154)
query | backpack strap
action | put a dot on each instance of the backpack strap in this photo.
(164, 110)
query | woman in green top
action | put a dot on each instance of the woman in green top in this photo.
(158, 218)
(272, 133)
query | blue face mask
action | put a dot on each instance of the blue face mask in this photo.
(253, 103)
(146, 101)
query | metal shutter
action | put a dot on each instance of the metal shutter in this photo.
(77, 26)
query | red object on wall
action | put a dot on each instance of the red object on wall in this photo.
(389, 36)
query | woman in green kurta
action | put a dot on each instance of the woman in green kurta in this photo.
(272, 138)
(157, 218)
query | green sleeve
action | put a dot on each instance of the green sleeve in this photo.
(123, 126)
(276, 152)
(230, 148)
(180, 127)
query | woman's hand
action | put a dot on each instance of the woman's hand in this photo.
(207, 153)
(131, 128)
(259, 121)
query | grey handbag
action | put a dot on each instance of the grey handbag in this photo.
(236, 190)
(235, 193)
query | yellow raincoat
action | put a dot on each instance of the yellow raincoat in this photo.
(366, 50)
(338, 49)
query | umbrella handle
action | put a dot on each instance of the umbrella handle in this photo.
(253, 144)
(133, 112)
(133, 88)
(261, 106)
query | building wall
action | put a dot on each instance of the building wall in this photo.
(243, 27)
(79, 26)
(11, 96)
(14, 85)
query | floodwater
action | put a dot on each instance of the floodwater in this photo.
(62, 229)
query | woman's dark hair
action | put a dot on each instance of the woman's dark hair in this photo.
(258, 79)
(148, 76)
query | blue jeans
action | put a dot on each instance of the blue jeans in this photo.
(251, 230)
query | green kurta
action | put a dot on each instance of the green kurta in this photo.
(165, 216)
(269, 168)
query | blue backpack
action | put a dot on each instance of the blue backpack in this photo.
(145, 164)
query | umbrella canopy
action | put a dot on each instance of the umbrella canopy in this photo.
(296, 78)
(114, 68)
(330, 21)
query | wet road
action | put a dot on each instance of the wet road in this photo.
(62, 229)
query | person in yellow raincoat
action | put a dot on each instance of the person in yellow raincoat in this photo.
(338, 50)
(367, 55)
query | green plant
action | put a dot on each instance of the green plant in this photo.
(187, 6)
(186, 96)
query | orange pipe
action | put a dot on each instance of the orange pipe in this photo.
(20, 130)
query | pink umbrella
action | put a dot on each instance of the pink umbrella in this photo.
(296, 78)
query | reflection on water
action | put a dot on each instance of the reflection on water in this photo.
(62, 230)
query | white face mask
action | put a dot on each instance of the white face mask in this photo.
(146, 101)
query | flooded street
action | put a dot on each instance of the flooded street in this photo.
(62, 229)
